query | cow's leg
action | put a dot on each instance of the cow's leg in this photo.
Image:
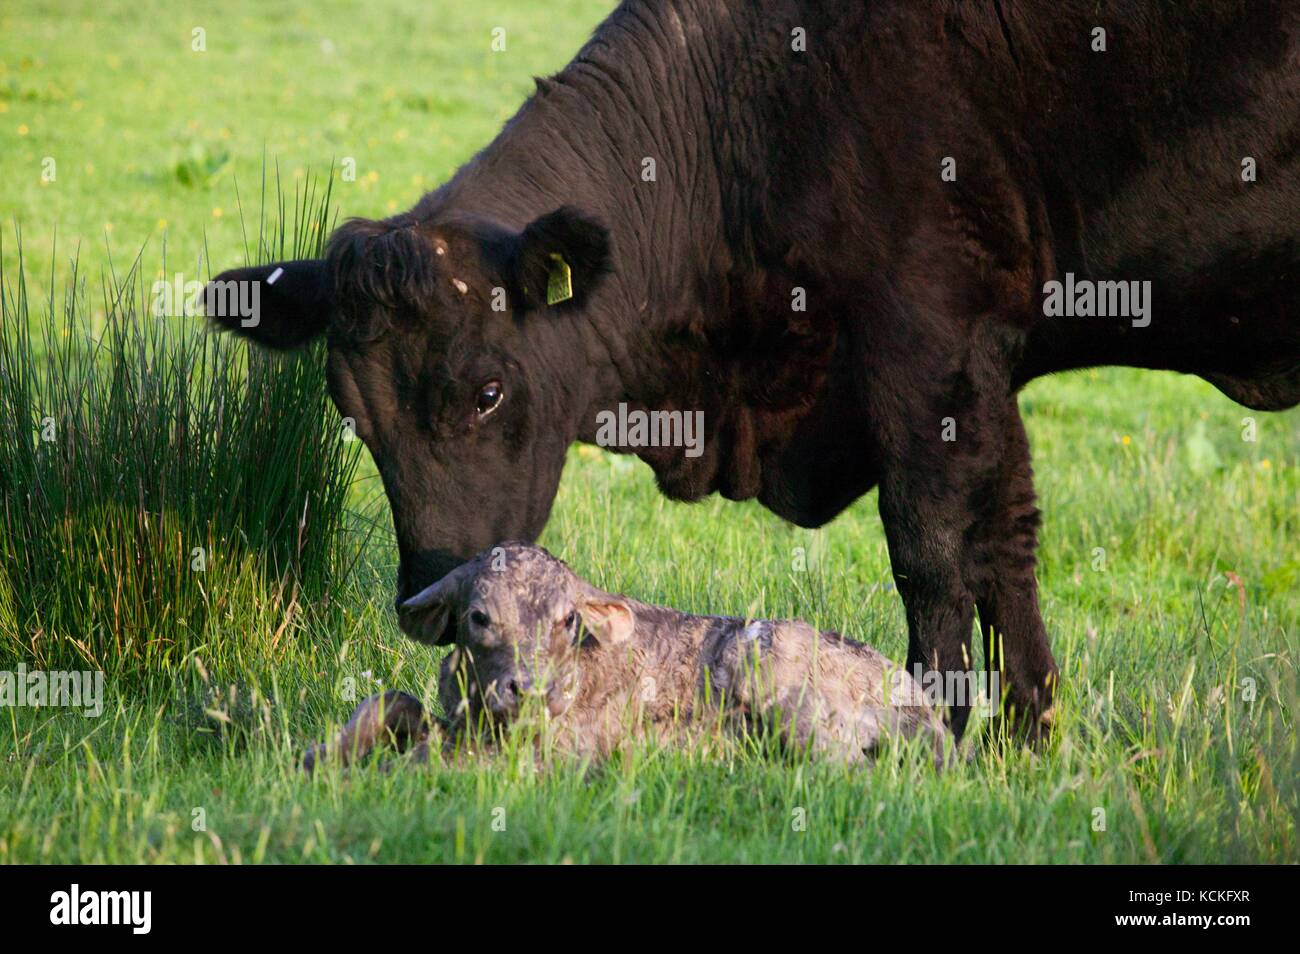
(1002, 558)
(924, 505)
(391, 718)
(956, 499)
(939, 402)
(924, 531)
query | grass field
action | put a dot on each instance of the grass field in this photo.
(1170, 565)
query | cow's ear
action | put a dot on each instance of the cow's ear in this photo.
(282, 305)
(431, 615)
(562, 258)
(606, 617)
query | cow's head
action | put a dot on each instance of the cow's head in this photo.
(454, 355)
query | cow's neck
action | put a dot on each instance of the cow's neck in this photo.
(616, 135)
(698, 315)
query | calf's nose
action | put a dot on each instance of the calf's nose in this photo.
(510, 692)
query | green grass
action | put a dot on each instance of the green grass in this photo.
(1178, 645)
(151, 472)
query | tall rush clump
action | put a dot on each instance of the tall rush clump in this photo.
(163, 489)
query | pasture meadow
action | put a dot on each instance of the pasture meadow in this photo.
(192, 521)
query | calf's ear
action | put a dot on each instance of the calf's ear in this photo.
(561, 259)
(431, 615)
(606, 617)
(282, 305)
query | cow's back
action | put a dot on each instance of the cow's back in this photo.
(1007, 142)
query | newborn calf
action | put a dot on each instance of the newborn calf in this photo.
(604, 668)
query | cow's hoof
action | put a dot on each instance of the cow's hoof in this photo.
(1041, 731)
(1014, 726)
(1033, 729)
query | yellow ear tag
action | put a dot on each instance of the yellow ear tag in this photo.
(559, 281)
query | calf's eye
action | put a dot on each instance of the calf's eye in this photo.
(479, 619)
(489, 398)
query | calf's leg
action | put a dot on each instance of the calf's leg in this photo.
(391, 718)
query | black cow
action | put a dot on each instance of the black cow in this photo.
(833, 228)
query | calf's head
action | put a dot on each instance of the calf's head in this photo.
(521, 622)
(454, 354)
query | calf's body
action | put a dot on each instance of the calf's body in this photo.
(606, 670)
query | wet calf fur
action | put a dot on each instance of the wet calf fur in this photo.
(529, 635)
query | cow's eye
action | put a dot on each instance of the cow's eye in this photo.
(479, 619)
(489, 398)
